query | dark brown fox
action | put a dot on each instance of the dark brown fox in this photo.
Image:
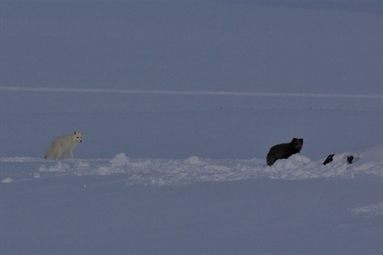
(284, 150)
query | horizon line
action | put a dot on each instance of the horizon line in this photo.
(189, 92)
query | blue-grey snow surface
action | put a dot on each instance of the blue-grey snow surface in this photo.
(179, 103)
(227, 203)
(196, 205)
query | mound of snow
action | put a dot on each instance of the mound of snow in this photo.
(194, 160)
(7, 180)
(119, 159)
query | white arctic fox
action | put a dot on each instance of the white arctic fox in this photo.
(63, 144)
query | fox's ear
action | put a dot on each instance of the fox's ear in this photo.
(74, 132)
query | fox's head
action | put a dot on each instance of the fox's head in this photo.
(77, 136)
(297, 144)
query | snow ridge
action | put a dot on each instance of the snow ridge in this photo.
(194, 169)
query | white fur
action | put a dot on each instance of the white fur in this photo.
(64, 144)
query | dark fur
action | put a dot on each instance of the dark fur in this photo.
(284, 150)
(328, 159)
(350, 159)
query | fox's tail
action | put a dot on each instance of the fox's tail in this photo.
(49, 152)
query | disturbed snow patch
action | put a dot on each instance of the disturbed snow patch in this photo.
(194, 169)
(369, 210)
(59, 167)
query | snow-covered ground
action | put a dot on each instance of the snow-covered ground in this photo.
(179, 103)
(170, 172)
(97, 204)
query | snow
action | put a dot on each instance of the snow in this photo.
(194, 169)
(7, 180)
(176, 129)
(369, 210)
(196, 204)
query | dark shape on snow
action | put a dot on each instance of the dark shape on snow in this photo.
(350, 159)
(284, 150)
(328, 159)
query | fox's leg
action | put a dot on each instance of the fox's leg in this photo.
(71, 153)
(65, 153)
(58, 152)
(56, 155)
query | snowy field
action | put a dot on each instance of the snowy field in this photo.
(221, 198)
(176, 129)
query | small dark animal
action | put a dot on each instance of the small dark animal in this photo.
(350, 159)
(284, 150)
(328, 159)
